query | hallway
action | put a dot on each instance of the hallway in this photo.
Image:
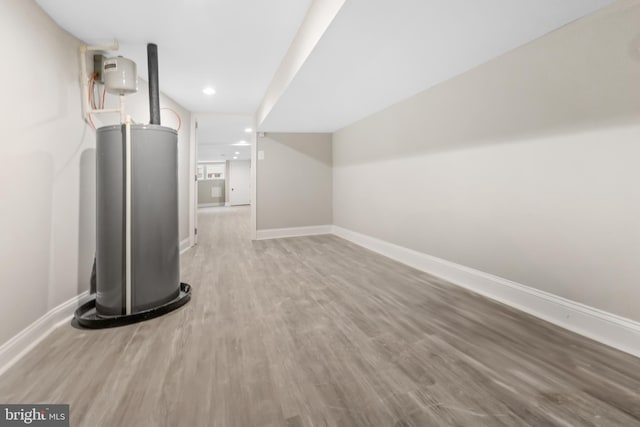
(316, 331)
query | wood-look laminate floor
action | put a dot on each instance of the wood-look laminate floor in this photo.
(316, 331)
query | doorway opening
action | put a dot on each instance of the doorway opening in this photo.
(223, 161)
(226, 183)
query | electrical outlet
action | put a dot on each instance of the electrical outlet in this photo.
(98, 59)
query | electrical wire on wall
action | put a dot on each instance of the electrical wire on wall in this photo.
(97, 101)
(93, 92)
(97, 98)
(176, 114)
(91, 102)
(91, 98)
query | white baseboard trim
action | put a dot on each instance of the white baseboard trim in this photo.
(14, 349)
(185, 245)
(227, 204)
(610, 329)
(277, 233)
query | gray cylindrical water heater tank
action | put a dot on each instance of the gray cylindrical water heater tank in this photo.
(151, 268)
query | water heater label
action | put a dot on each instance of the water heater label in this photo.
(110, 66)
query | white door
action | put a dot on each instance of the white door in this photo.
(239, 182)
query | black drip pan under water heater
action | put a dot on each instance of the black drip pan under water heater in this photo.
(137, 266)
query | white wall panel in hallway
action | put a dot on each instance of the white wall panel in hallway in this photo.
(239, 182)
(294, 180)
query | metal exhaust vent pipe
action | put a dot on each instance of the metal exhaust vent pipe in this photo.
(154, 90)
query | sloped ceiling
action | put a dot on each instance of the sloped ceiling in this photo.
(376, 53)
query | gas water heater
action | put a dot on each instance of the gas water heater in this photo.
(137, 266)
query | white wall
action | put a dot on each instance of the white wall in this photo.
(47, 178)
(294, 180)
(525, 167)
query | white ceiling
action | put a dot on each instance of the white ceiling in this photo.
(376, 53)
(234, 46)
(219, 153)
(219, 136)
(373, 54)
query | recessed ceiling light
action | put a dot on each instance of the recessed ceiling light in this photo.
(248, 130)
(241, 143)
(237, 152)
(208, 91)
(234, 158)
